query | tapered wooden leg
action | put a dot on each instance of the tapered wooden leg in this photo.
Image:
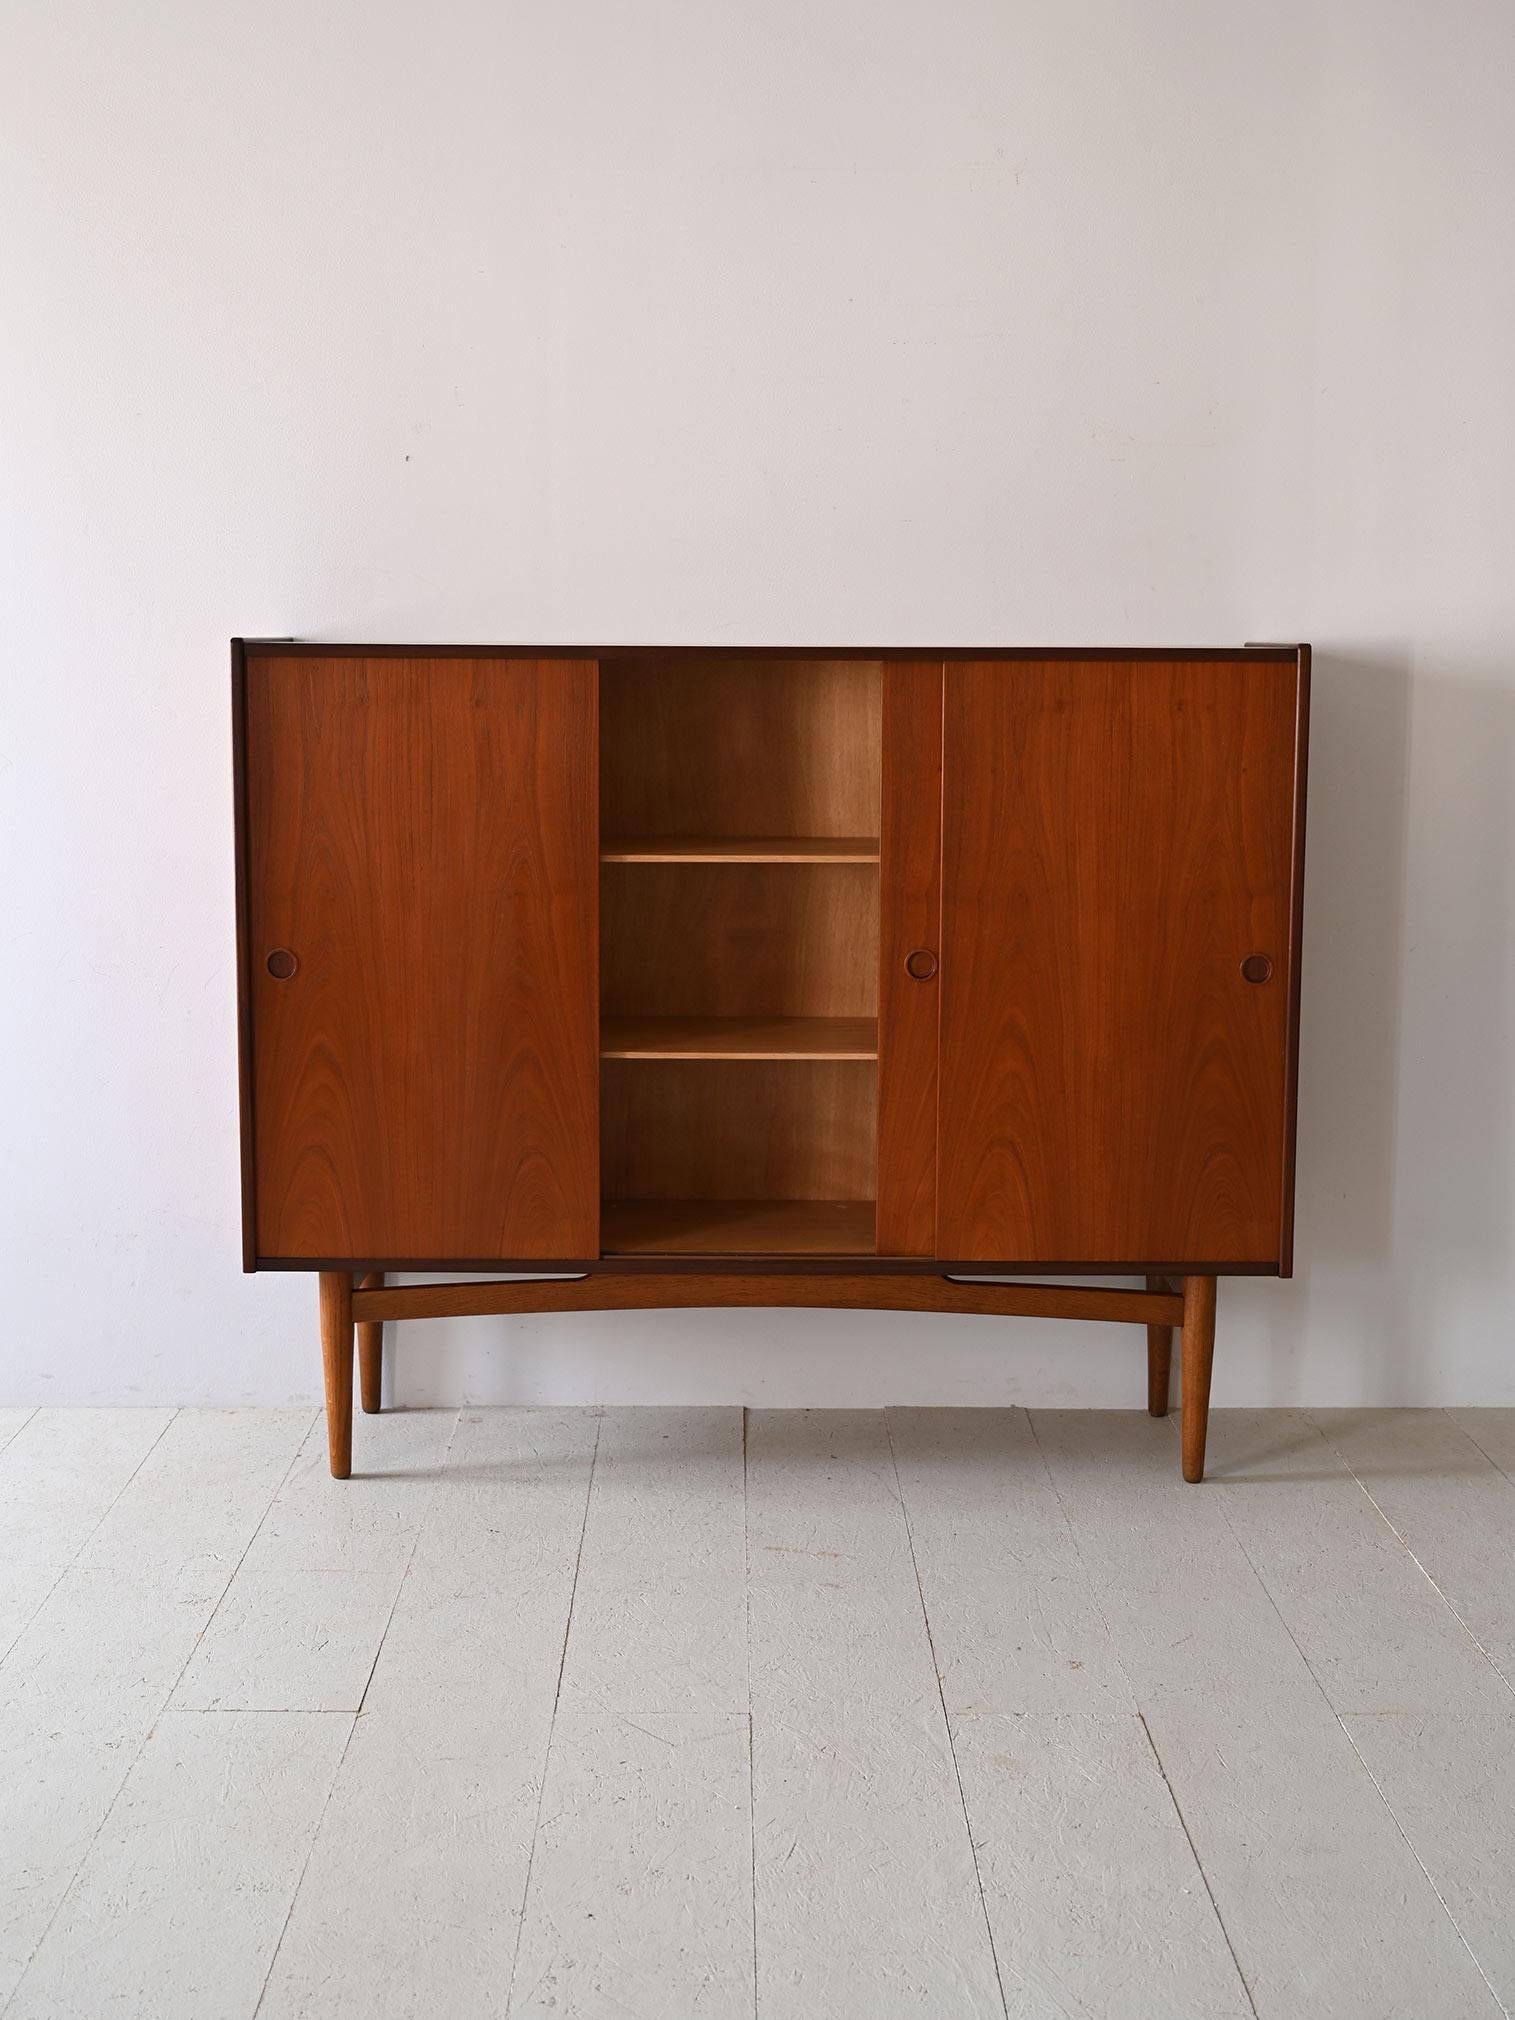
(336, 1359)
(371, 1351)
(1159, 1360)
(1199, 1352)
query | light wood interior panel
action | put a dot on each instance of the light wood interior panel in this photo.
(738, 1227)
(739, 822)
(739, 747)
(739, 940)
(739, 1038)
(737, 1130)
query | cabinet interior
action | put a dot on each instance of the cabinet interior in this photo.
(739, 821)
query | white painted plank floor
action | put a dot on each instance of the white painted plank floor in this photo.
(797, 1715)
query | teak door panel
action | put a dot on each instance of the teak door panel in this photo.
(910, 861)
(421, 835)
(1118, 837)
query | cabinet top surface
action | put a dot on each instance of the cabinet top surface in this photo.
(313, 648)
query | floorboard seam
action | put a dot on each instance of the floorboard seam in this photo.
(110, 1808)
(73, 1877)
(16, 1430)
(957, 1776)
(331, 1786)
(300, 1443)
(84, 1541)
(1405, 1544)
(1093, 1588)
(1410, 1848)
(1199, 1865)
(1347, 1736)
(1090, 1584)
(1502, 1471)
(294, 1892)
(515, 1961)
(415, 1544)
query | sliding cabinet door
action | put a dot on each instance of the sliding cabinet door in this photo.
(1119, 849)
(420, 868)
(909, 989)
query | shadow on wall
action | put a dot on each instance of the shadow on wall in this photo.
(1456, 1204)
(1350, 1009)
(1404, 1180)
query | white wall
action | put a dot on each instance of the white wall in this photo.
(1050, 321)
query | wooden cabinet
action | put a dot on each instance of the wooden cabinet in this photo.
(769, 977)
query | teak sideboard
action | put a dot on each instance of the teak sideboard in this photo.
(835, 978)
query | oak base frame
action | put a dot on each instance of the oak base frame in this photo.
(355, 1317)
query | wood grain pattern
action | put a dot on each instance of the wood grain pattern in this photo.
(245, 956)
(1194, 1382)
(371, 1354)
(612, 1291)
(739, 940)
(739, 1038)
(335, 1295)
(750, 1129)
(1117, 838)
(740, 935)
(909, 922)
(775, 1227)
(422, 834)
(1296, 943)
(1159, 1360)
(723, 746)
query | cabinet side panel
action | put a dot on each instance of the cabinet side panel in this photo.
(1118, 839)
(422, 839)
(1296, 943)
(244, 955)
(910, 923)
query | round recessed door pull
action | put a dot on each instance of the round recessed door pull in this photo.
(1257, 968)
(281, 964)
(921, 965)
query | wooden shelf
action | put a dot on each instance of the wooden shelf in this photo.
(737, 1227)
(734, 849)
(739, 1038)
(741, 806)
